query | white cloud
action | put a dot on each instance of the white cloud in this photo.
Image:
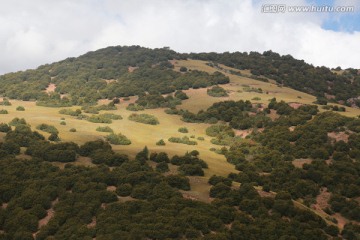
(42, 31)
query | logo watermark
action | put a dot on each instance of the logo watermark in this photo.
(283, 8)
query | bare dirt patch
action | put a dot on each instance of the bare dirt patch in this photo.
(111, 188)
(92, 224)
(108, 81)
(4, 205)
(338, 136)
(50, 214)
(51, 88)
(295, 105)
(131, 69)
(299, 163)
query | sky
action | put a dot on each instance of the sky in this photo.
(38, 32)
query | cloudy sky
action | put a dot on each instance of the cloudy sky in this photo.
(43, 31)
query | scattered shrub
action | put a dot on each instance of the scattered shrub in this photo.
(134, 107)
(217, 91)
(72, 130)
(161, 142)
(118, 139)
(3, 111)
(183, 130)
(104, 129)
(20, 108)
(47, 128)
(144, 118)
(183, 140)
(62, 123)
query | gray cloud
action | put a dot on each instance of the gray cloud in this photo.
(42, 31)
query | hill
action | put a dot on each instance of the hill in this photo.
(109, 73)
(159, 146)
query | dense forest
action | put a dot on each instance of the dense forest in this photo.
(125, 71)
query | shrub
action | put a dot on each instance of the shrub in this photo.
(5, 102)
(17, 121)
(3, 111)
(54, 137)
(104, 129)
(20, 108)
(134, 107)
(217, 91)
(72, 130)
(47, 128)
(70, 112)
(183, 130)
(144, 118)
(161, 142)
(181, 95)
(183, 140)
(124, 190)
(162, 167)
(201, 138)
(183, 69)
(215, 130)
(118, 139)
(191, 170)
(4, 127)
(62, 123)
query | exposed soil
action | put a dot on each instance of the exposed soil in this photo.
(295, 105)
(111, 188)
(4, 205)
(50, 214)
(108, 81)
(131, 69)
(51, 88)
(338, 136)
(92, 224)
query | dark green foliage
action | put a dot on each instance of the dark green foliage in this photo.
(104, 118)
(47, 128)
(70, 112)
(4, 111)
(72, 130)
(89, 147)
(118, 139)
(217, 91)
(104, 129)
(183, 130)
(17, 121)
(183, 69)
(20, 108)
(124, 190)
(183, 140)
(162, 167)
(178, 181)
(160, 142)
(134, 107)
(181, 95)
(159, 157)
(54, 137)
(144, 118)
(4, 127)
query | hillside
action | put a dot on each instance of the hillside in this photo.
(134, 143)
(109, 73)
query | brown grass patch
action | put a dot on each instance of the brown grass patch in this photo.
(299, 163)
(111, 188)
(92, 224)
(50, 214)
(295, 105)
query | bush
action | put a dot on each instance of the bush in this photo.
(183, 69)
(47, 128)
(183, 130)
(177, 181)
(181, 95)
(104, 129)
(3, 111)
(4, 127)
(201, 138)
(160, 142)
(118, 139)
(62, 123)
(134, 107)
(217, 91)
(162, 167)
(124, 190)
(20, 108)
(144, 118)
(17, 121)
(191, 170)
(72, 130)
(70, 112)
(183, 140)
(54, 137)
